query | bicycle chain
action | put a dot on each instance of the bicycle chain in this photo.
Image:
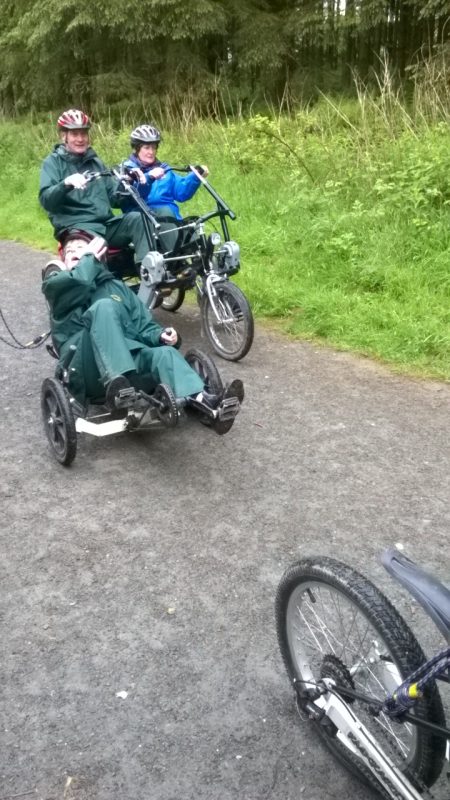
(424, 790)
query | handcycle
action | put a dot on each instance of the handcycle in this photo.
(64, 417)
(359, 674)
(197, 260)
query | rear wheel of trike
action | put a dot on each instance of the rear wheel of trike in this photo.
(230, 331)
(206, 368)
(174, 300)
(59, 422)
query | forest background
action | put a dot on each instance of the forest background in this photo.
(325, 125)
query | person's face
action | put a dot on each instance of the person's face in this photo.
(73, 251)
(77, 141)
(147, 153)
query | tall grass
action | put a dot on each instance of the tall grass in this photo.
(343, 214)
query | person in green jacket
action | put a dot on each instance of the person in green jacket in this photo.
(107, 339)
(72, 202)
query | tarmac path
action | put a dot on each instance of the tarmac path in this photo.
(139, 656)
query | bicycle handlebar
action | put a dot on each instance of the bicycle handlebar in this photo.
(220, 202)
(131, 190)
(92, 176)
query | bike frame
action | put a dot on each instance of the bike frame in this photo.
(207, 278)
(356, 738)
(324, 702)
(150, 222)
(349, 730)
(222, 210)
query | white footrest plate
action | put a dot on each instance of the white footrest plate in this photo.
(100, 428)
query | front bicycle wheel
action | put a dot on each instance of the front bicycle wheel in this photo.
(229, 325)
(332, 622)
(174, 300)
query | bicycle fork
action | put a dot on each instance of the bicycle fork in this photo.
(211, 279)
(358, 740)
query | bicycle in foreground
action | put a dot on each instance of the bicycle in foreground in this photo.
(360, 675)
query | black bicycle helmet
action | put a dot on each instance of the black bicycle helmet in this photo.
(145, 134)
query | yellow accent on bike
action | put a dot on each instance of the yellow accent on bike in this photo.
(414, 692)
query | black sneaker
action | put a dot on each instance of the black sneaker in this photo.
(113, 389)
(205, 402)
(229, 407)
(211, 400)
(219, 410)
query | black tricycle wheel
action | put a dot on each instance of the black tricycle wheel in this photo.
(59, 422)
(166, 405)
(205, 367)
(174, 300)
(334, 623)
(231, 334)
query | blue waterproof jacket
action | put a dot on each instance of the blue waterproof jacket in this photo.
(166, 191)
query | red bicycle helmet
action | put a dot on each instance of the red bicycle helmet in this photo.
(73, 119)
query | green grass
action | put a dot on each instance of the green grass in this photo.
(343, 220)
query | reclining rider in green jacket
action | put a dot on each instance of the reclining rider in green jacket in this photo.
(72, 202)
(109, 341)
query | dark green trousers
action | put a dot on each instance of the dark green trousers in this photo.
(122, 230)
(105, 351)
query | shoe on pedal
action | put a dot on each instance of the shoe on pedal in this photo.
(117, 390)
(205, 402)
(219, 410)
(229, 407)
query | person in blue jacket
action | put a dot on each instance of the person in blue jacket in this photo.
(162, 189)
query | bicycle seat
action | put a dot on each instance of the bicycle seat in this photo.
(432, 595)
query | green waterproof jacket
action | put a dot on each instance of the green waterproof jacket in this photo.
(90, 207)
(69, 296)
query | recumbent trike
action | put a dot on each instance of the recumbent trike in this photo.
(183, 256)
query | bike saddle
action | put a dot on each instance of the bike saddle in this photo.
(432, 595)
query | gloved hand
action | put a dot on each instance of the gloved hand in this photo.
(76, 181)
(157, 173)
(135, 174)
(202, 169)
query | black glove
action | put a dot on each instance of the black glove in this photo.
(131, 174)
